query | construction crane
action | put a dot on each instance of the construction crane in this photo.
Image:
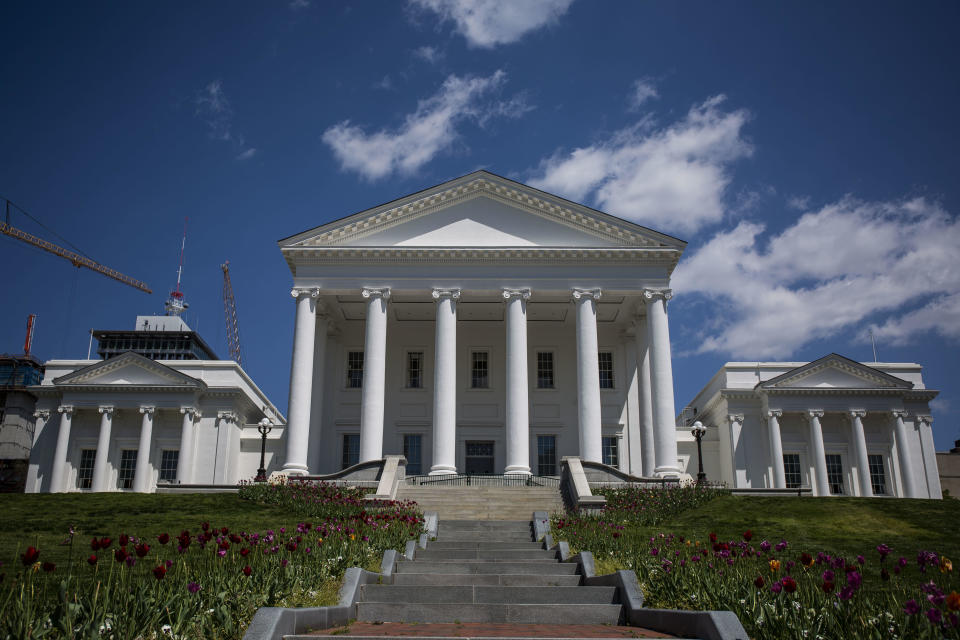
(78, 260)
(230, 313)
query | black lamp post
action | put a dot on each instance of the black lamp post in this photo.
(698, 430)
(264, 428)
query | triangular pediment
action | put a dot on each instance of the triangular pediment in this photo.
(835, 372)
(482, 210)
(128, 369)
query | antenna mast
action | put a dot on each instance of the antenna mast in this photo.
(175, 304)
(31, 320)
(873, 342)
(230, 313)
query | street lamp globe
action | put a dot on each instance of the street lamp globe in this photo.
(698, 431)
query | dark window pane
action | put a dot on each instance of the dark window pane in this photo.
(85, 470)
(479, 371)
(128, 468)
(411, 451)
(878, 478)
(544, 370)
(169, 459)
(791, 470)
(606, 369)
(351, 450)
(354, 369)
(415, 370)
(835, 473)
(609, 450)
(546, 455)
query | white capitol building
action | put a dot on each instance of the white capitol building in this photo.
(485, 327)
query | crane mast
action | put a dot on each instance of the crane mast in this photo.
(230, 313)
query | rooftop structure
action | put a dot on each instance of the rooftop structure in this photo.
(156, 338)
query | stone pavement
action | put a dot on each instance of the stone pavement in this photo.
(485, 630)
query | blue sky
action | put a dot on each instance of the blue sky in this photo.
(807, 152)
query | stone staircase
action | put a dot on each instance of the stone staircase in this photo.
(490, 571)
(483, 503)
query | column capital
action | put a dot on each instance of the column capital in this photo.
(814, 413)
(735, 417)
(649, 295)
(925, 419)
(43, 414)
(313, 292)
(857, 413)
(523, 294)
(579, 294)
(66, 409)
(898, 413)
(382, 292)
(453, 294)
(106, 410)
(191, 410)
(227, 416)
(147, 410)
(774, 413)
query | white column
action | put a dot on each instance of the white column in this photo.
(315, 445)
(301, 381)
(776, 448)
(588, 375)
(819, 453)
(143, 475)
(661, 381)
(860, 450)
(925, 428)
(903, 453)
(101, 468)
(648, 450)
(738, 463)
(58, 471)
(445, 384)
(187, 445)
(374, 375)
(518, 408)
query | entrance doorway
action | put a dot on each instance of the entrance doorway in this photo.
(479, 457)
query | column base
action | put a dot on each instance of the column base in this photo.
(295, 470)
(442, 470)
(517, 471)
(667, 472)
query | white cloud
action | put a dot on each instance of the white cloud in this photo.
(488, 23)
(214, 108)
(800, 203)
(384, 83)
(673, 178)
(641, 91)
(428, 54)
(831, 270)
(246, 155)
(426, 132)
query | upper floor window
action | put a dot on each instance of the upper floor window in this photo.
(414, 369)
(85, 470)
(878, 480)
(544, 370)
(791, 470)
(169, 458)
(605, 359)
(835, 473)
(354, 369)
(128, 468)
(479, 370)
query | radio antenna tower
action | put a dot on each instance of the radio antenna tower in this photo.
(175, 304)
(230, 313)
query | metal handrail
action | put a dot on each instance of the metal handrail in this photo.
(484, 480)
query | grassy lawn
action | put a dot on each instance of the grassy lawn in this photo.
(27, 518)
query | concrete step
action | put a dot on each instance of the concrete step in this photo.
(488, 579)
(461, 537)
(539, 568)
(489, 525)
(490, 555)
(484, 544)
(480, 594)
(517, 613)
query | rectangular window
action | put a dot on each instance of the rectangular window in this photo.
(791, 470)
(351, 450)
(835, 473)
(354, 369)
(169, 458)
(609, 450)
(546, 455)
(128, 468)
(85, 470)
(606, 369)
(415, 370)
(544, 370)
(878, 479)
(411, 451)
(479, 370)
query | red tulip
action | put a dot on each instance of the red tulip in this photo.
(748, 535)
(95, 544)
(31, 556)
(92, 560)
(789, 584)
(247, 570)
(159, 571)
(758, 583)
(105, 543)
(124, 539)
(163, 538)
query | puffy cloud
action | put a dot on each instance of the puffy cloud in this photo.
(671, 178)
(428, 54)
(831, 270)
(488, 23)
(426, 132)
(641, 91)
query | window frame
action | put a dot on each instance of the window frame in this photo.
(834, 463)
(161, 467)
(81, 468)
(799, 470)
(604, 449)
(473, 352)
(541, 454)
(553, 369)
(418, 466)
(124, 482)
(612, 371)
(884, 475)
(406, 369)
(346, 453)
(348, 381)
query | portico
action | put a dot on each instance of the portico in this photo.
(544, 324)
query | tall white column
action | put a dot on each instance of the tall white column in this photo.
(648, 452)
(58, 471)
(374, 375)
(776, 448)
(903, 453)
(661, 381)
(588, 375)
(301, 381)
(819, 453)
(445, 384)
(315, 446)
(143, 475)
(738, 462)
(187, 445)
(101, 463)
(518, 408)
(925, 428)
(860, 449)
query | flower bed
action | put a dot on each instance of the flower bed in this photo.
(204, 581)
(776, 590)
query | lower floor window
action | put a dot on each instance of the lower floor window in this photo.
(835, 473)
(878, 479)
(609, 451)
(791, 470)
(169, 458)
(128, 468)
(546, 455)
(85, 470)
(411, 451)
(351, 450)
